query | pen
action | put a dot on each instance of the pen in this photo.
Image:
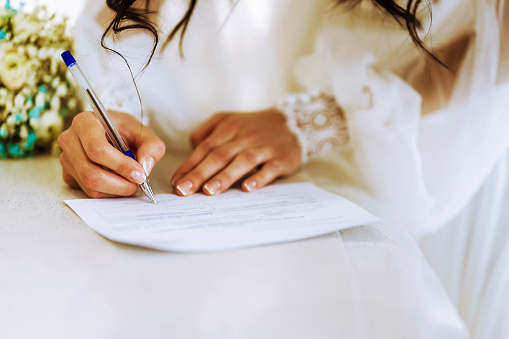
(111, 131)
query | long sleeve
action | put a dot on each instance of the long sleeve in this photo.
(317, 121)
(416, 169)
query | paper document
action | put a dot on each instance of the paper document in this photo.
(234, 219)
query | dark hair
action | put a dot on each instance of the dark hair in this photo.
(126, 17)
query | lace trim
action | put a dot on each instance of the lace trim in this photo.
(317, 120)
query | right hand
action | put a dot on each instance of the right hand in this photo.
(88, 159)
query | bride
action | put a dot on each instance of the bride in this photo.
(404, 115)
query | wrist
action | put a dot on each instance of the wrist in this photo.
(316, 120)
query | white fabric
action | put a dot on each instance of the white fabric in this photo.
(478, 236)
(432, 165)
(317, 121)
(416, 170)
(60, 280)
(239, 66)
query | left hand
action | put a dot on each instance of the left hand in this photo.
(230, 145)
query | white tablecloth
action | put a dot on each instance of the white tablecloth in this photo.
(59, 279)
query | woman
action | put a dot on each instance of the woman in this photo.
(409, 139)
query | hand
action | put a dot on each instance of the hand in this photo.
(230, 145)
(88, 159)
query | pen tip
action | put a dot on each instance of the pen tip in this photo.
(145, 187)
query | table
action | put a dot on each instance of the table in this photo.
(60, 279)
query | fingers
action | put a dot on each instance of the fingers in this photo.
(90, 134)
(66, 168)
(268, 173)
(94, 178)
(229, 171)
(230, 147)
(242, 164)
(213, 162)
(206, 128)
(90, 162)
(150, 150)
(69, 175)
(211, 145)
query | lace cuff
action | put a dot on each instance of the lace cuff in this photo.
(317, 120)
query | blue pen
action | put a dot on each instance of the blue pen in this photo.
(111, 131)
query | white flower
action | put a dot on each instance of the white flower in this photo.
(3, 96)
(22, 26)
(55, 82)
(72, 104)
(49, 127)
(23, 133)
(35, 123)
(51, 52)
(62, 90)
(55, 103)
(32, 76)
(8, 105)
(19, 100)
(32, 51)
(40, 99)
(32, 79)
(13, 69)
(11, 120)
(43, 53)
(26, 92)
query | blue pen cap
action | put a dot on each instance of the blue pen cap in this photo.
(68, 58)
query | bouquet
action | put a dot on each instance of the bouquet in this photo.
(37, 93)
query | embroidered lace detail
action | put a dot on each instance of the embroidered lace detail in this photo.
(317, 120)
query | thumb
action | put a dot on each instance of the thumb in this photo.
(149, 148)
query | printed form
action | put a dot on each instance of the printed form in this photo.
(232, 220)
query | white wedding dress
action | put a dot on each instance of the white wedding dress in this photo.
(428, 147)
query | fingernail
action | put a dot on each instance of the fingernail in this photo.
(250, 185)
(185, 187)
(138, 177)
(212, 186)
(148, 164)
(175, 180)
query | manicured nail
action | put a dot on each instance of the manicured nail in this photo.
(212, 186)
(138, 177)
(148, 164)
(176, 179)
(185, 187)
(250, 185)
